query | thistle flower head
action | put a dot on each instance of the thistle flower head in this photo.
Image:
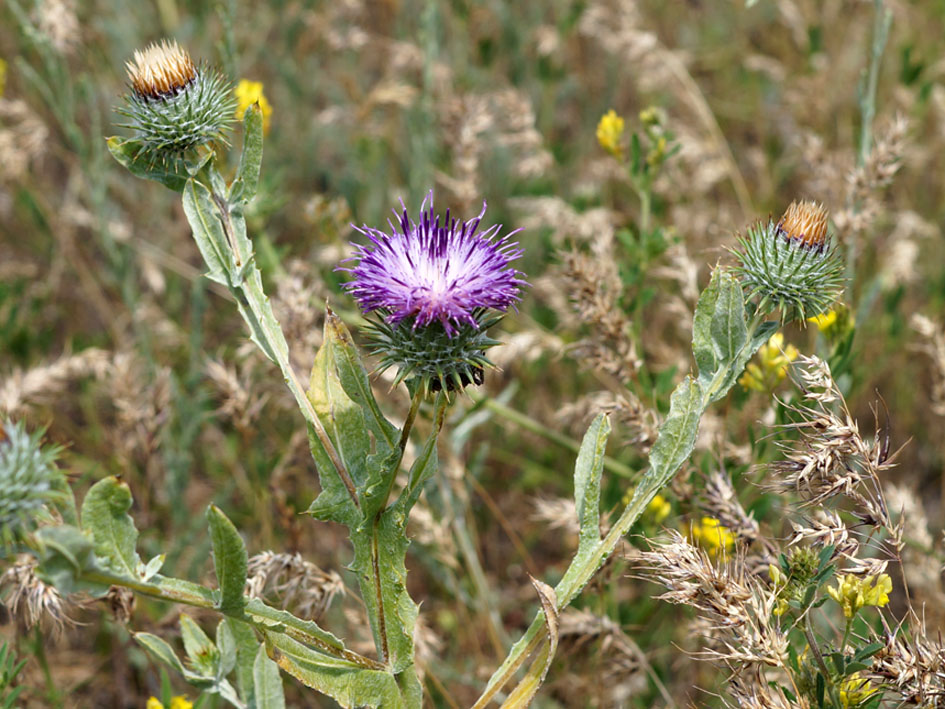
(174, 104)
(791, 264)
(436, 285)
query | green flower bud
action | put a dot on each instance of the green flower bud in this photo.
(792, 264)
(175, 105)
(28, 476)
(429, 357)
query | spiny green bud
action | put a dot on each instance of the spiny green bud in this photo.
(28, 476)
(430, 358)
(175, 105)
(791, 264)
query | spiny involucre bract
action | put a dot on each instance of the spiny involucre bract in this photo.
(28, 474)
(174, 104)
(792, 264)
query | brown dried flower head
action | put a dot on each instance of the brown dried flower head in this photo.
(805, 222)
(161, 70)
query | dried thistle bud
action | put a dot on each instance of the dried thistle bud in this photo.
(174, 104)
(791, 264)
(161, 70)
(806, 223)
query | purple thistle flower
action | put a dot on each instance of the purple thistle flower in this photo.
(436, 270)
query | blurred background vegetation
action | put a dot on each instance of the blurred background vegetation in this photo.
(138, 367)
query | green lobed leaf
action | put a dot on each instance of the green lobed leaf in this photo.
(169, 170)
(65, 554)
(267, 682)
(399, 610)
(230, 560)
(677, 435)
(587, 474)
(105, 517)
(347, 684)
(363, 439)
(244, 186)
(720, 341)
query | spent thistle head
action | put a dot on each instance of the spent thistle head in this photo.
(791, 264)
(437, 285)
(174, 104)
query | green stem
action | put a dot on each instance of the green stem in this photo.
(530, 424)
(882, 20)
(376, 561)
(249, 292)
(268, 618)
(651, 484)
(815, 651)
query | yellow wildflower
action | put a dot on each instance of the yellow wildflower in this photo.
(771, 368)
(658, 509)
(853, 593)
(825, 320)
(250, 92)
(712, 536)
(609, 132)
(854, 690)
(3, 76)
(178, 702)
(835, 322)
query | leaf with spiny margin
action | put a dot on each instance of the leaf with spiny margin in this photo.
(677, 434)
(348, 684)
(720, 342)
(267, 682)
(280, 620)
(244, 186)
(587, 473)
(105, 517)
(203, 215)
(169, 170)
(230, 560)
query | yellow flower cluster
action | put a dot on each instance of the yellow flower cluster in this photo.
(855, 690)
(178, 702)
(712, 536)
(250, 92)
(609, 132)
(853, 593)
(771, 368)
(658, 509)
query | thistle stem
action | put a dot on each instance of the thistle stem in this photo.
(652, 483)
